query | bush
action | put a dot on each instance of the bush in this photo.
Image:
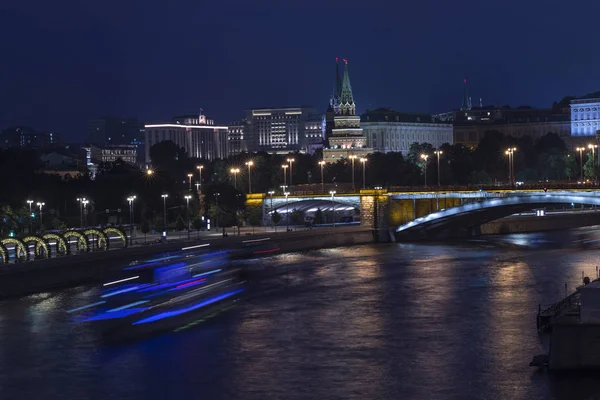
(276, 218)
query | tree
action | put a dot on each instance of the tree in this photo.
(589, 168)
(570, 166)
(480, 178)
(318, 216)
(254, 217)
(145, 228)
(179, 223)
(275, 217)
(197, 224)
(297, 217)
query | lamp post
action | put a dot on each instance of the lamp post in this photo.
(41, 205)
(235, 171)
(217, 210)
(249, 164)
(287, 212)
(284, 167)
(593, 147)
(363, 160)
(85, 202)
(352, 158)
(425, 157)
(290, 161)
(164, 197)
(190, 180)
(332, 193)
(511, 164)
(80, 201)
(438, 153)
(130, 200)
(322, 164)
(187, 200)
(149, 171)
(199, 168)
(271, 193)
(30, 202)
(580, 150)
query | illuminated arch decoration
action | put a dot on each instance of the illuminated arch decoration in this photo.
(82, 244)
(20, 248)
(61, 245)
(119, 232)
(39, 246)
(3, 253)
(102, 242)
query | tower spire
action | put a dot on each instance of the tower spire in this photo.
(466, 102)
(334, 102)
(347, 106)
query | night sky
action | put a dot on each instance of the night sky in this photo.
(65, 62)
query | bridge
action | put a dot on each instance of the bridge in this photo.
(403, 215)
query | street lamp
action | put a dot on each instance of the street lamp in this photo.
(332, 193)
(190, 179)
(187, 200)
(287, 212)
(284, 167)
(592, 147)
(271, 193)
(438, 153)
(363, 160)
(217, 210)
(199, 168)
(511, 164)
(149, 172)
(84, 203)
(130, 200)
(164, 197)
(30, 202)
(425, 157)
(322, 164)
(290, 161)
(249, 164)
(80, 201)
(352, 158)
(580, 150)
(41, 205)
(235, 171)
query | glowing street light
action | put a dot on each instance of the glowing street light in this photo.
(438, 153)
(190, 179)
(30, 202)
(287, 212)
(352, 158)
(332, 193)
(363, 160)
(149, 171)
(322, 164)
(130, 200)
(41, 205)
(235, 171)
(271, 193)
(284, 167)
(593, 147)
(250, 164)
(199, 168)
(290, 161)
(510, 152)
(82, 209)
(580, 150)
(164, 197)
(425, 157)
(187, 200)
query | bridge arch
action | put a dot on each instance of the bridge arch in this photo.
(119, 233)
(62, 248)
(101, 237)
(82, 244)
(442, 223)
(3, 253)
(21, 251)
(41, 248)
(310, 206)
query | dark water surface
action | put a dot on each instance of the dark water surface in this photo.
(368, 322)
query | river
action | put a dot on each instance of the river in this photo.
(397, 321)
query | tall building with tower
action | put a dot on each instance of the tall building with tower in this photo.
(344, 136)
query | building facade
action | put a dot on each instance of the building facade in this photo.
(585, 115)
(390, 131)
(115, 131)
(126, 152)
(281, 130)
(196, 134)
(236, 144)
(346, 137)
(26, 137)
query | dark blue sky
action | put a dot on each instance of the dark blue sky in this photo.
(65, 62)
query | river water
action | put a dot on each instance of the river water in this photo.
(397, 321)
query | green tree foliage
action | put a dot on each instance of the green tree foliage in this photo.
(590, 169)
(480, 178)
(179, 223)
(319, 216)
(276, 217)
(297, 217)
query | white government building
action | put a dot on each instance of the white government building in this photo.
(585, 115)
(390, 131)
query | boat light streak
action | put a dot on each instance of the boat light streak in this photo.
(207, 273)
(84, 307)
(256, 240)
(196, 247)
(137, 303)
(122, 280)
(120, 291)
(266, 251)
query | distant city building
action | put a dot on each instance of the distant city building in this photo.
(196, 134)
(236, 143)
(115, 131)
(585, 115)
(314, 133)
(345, 137)
(125, 152)
(387, 130)
(281, 130)
(26, 137)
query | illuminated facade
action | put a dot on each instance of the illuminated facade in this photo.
(345, 137)
(196, 134)
(585, 115)
(235, 138)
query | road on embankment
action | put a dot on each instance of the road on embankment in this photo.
(48, 274)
